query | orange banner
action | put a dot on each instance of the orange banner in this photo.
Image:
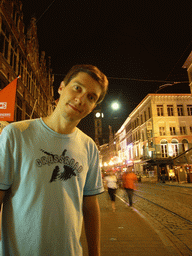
(7, 101)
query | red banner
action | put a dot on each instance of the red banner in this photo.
(7, 101)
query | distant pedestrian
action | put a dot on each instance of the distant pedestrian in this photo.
(163, 174)
(129, 180)
(111, 181)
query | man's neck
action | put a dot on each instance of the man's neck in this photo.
(58, 125)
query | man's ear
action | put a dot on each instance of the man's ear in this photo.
(62, 85)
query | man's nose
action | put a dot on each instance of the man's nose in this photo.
(80, 98)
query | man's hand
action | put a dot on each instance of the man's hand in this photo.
(91, 213)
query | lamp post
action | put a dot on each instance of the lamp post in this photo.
(98, 115)
(112, 147)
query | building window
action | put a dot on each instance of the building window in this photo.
(14, 11)
(180, 110)
(137, 121)
(28, 112)
(21, 65)
(4, 40)
(137, 151)
(189, 110)
(141, 119)
(145, 116)
(130, 153)
(161, 131)
(19, 109)
(160, 110)
(191, 129)
(172, 131)
(170, 110)
(164, 149)
(173, 149)
(139, 135)
(1, 42)
(143, 150)
(143, 136)
(13, 56)
(185, 145)
(149, 112)
(183, 130)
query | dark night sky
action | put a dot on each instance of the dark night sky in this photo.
(141, 40)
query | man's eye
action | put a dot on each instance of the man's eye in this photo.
(92, 98)
(77, 87)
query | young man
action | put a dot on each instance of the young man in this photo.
(50, 176)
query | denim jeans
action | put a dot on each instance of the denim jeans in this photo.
(130, 195)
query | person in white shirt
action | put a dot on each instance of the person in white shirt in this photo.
(111, 181)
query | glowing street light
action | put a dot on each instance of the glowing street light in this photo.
(115, 106)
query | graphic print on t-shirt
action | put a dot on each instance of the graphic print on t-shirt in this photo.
(70, 168)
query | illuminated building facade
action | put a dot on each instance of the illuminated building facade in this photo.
(156, 131)
(188, 66)
(19, 55)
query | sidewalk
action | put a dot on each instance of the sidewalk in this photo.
(124, 232)
(178, 184)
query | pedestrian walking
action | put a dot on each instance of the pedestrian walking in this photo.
(50, 174)
(111, 181)
(129, 180)
(163, 172)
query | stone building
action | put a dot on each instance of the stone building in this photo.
(156, 131)
(19, 55)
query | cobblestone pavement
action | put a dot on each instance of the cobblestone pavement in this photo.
(127, 232)
(169, 208)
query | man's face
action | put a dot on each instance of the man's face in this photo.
(79, 97)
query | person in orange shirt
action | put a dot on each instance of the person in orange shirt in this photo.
(129, 180)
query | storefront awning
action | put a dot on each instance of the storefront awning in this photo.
(157, 161)
(184, 158)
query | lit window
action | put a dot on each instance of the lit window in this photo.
(180, 110)
(182, 130)
(185, 145)
(149, 112)
(172, 131)
(161, 131)
(164, 150)
(173, 148)
(189, 110)
(170, 110)
(160, 110)
(145, 116)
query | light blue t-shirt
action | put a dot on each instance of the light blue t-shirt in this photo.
(47, 175)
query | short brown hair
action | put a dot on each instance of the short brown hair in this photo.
(94, 72)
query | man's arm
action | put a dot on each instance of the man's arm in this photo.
(2, 194)
(91, 213)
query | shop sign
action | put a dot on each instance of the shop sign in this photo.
(7, 101)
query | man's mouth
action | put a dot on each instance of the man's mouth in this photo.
(74, 108)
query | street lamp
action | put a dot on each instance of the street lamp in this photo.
(115, 106)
